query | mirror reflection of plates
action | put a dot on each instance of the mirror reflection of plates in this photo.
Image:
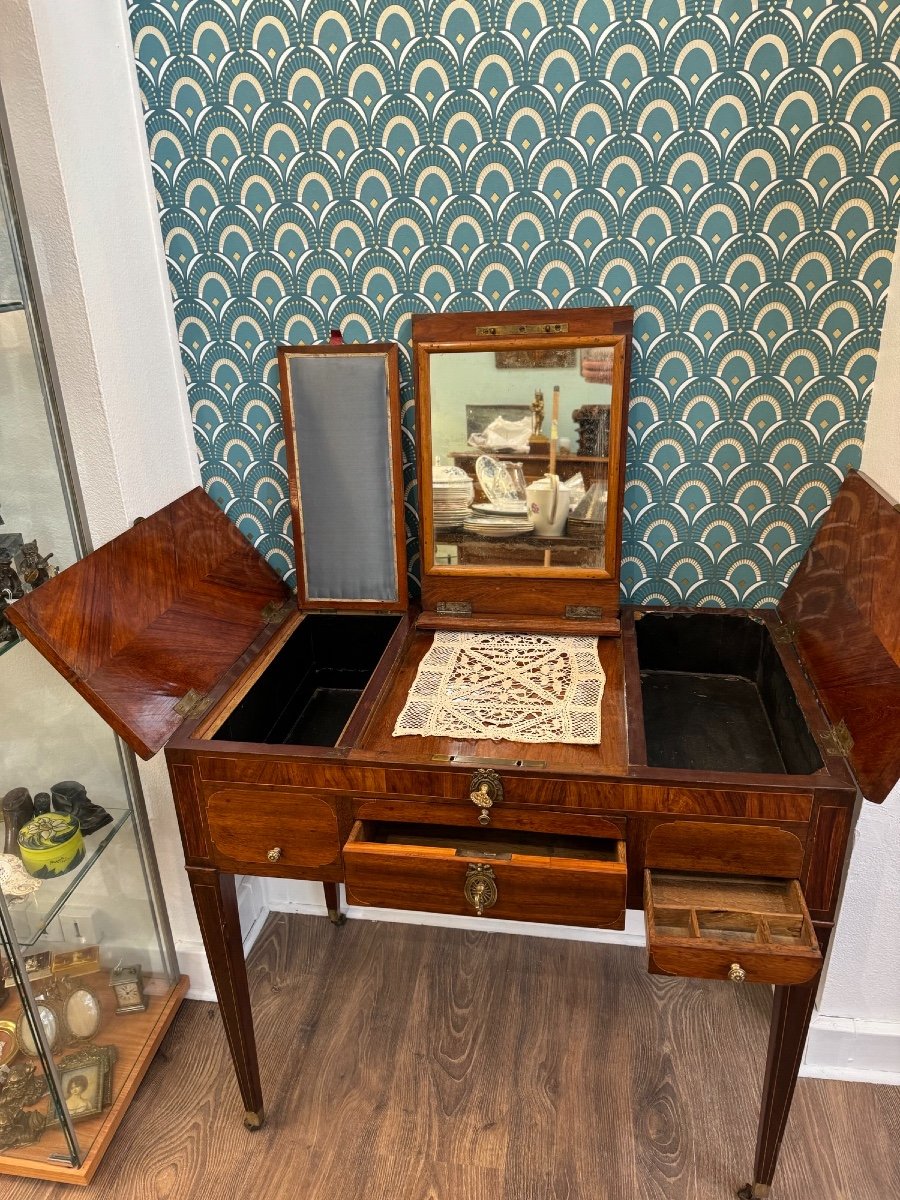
(496, 482)
(498, 527)
(502, 508)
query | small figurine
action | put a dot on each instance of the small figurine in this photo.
(537, 442)
(70, 796)
(32, 566)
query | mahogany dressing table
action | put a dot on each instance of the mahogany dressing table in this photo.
(720, 797)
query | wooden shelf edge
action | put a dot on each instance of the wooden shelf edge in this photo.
(58, 1172)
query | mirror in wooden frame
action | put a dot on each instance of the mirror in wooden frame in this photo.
(341, 413)
(520, 422)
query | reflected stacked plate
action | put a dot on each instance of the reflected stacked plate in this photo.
(498, 527)
(453, 492)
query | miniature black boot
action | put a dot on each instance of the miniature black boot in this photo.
(71, 797)
(41, 803)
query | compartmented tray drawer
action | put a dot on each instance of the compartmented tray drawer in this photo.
(512, 874)
(727, 927)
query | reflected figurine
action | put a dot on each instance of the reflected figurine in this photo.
(537, 443)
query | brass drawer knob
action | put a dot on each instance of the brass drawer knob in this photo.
(737, 974)
(480, 888)
(274, 854)
(485, 790)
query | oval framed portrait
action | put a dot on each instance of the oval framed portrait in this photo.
(82, 1013)
(50, 1019)
(9, 1042)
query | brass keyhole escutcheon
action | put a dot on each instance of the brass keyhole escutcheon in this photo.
(480, 888)
(737, 974)
(274, 854)
(485, 790)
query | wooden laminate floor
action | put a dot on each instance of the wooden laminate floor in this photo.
(402, 1062)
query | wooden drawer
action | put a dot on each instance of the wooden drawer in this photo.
(517, 875)
(726, 927)
(255, 831)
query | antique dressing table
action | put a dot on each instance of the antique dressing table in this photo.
(721, 794)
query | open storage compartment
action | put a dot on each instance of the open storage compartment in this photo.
(726, 927)
(520, 875)
(714, 691)
(310, 690)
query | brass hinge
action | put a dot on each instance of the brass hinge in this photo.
(513, 330)
(785, 633)
(838, 740)
(192, 704)
(454, 608)
(276, 611)
(583, 612)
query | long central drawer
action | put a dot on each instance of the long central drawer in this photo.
(511, 874)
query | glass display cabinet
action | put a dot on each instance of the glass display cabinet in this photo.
(88, 976)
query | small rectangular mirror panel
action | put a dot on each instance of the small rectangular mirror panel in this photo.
(342, 428)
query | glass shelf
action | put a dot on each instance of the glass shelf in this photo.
(47, 902)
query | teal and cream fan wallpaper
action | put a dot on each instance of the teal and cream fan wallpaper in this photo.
(729, 167)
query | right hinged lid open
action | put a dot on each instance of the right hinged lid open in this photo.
(843, 607)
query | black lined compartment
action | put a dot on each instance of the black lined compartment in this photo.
(716, 696)
(308, 692)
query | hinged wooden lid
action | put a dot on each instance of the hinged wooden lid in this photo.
(160, 611)
(341, 411)
(844, 604)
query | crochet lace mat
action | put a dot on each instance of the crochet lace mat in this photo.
(517, 687)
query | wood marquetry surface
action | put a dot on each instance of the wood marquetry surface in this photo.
(611, 754)
(439, 1064)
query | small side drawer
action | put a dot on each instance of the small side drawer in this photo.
(264, 832)
(517, 875)
(722, 927)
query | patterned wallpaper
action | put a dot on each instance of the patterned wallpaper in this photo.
(729, 167)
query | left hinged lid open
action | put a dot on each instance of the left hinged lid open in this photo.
(341, 411)
(161, 611)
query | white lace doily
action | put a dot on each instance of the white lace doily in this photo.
(518, 687)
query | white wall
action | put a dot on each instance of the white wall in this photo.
(76, 129)
(857, 1026)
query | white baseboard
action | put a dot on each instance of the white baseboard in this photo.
(851, 1049)
(837, 1048)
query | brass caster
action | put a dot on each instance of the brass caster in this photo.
(336, 917)
(253, 1120)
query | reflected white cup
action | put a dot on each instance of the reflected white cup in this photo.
(548, 506)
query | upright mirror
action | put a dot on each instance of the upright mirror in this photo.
(520, 444)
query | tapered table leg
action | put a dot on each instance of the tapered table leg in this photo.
(335, 916)
(792, 1011)
(216, 902)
